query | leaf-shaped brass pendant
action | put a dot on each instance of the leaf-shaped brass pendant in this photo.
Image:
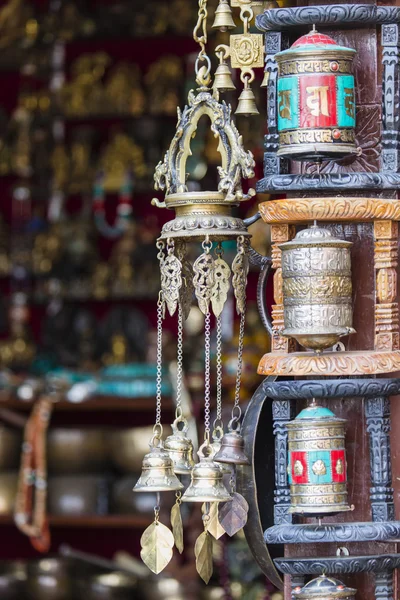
(204, 559)
(240, 269)
(220, 289)
(233, 514)
(177, 527)
(203, 280)
(157, 543)
(171, 281)
(213, 525)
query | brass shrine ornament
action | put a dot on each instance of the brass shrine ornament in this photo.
(208, 213)
(324, 588)
(317, 288)
(317, 463)
(316, 99)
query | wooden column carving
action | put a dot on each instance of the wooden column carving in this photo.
(387, 307)
(279, 234)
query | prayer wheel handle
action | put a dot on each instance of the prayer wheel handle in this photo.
(264, 263)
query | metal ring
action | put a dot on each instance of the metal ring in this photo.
(218, 424)
(218, 433)
(158, 430)
(236, 417)
(234, 425)
(201, 59)
(247, 76)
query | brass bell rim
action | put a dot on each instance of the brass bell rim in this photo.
(231, 461)
(157, 488)
(206, 498)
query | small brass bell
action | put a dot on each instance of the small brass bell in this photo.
(157, 471)
(247, 103)
(206, 484)
(223, 78)
(232, 448)
(217, 436)
(180, 447)
(223, 17)
(265, 80)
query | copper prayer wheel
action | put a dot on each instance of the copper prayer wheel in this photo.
(316, 99)
(317, 463)
(324, 588)
(317, 300)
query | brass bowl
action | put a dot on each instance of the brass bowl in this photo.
(127, 447)
(49, 579)
(10, 448)
(162, 588)
(12, 580)
(77, 450)
(55, 578)
(124, 501)
(77, 495)
(108, 586)
(8, 492)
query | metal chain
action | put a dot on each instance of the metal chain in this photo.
(200, 30)
(219, 371)
(236, 415)
(207, 374)
(160, 316)
(159, 358)
(179, 364)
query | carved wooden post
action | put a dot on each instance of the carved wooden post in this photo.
(283, 411)
(387, 307)
(279, 234)
(297, 581)
(384, 586)
(377, 411)
(391, 84)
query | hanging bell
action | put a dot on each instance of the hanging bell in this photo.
(217, 436)
(247, 103)
(223, 79)
(265, 80)
(206, 483)
(223, 17)
(157, 471)
(232, 448)
(180, 447)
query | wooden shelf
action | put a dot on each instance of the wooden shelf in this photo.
(97, 403)
(92, 521)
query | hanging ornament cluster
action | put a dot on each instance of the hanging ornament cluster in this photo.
(206, 217)
(246, 52)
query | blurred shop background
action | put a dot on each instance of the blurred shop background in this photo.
(88, 97)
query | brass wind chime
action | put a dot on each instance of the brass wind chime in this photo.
(246, 52)
(206, 218)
